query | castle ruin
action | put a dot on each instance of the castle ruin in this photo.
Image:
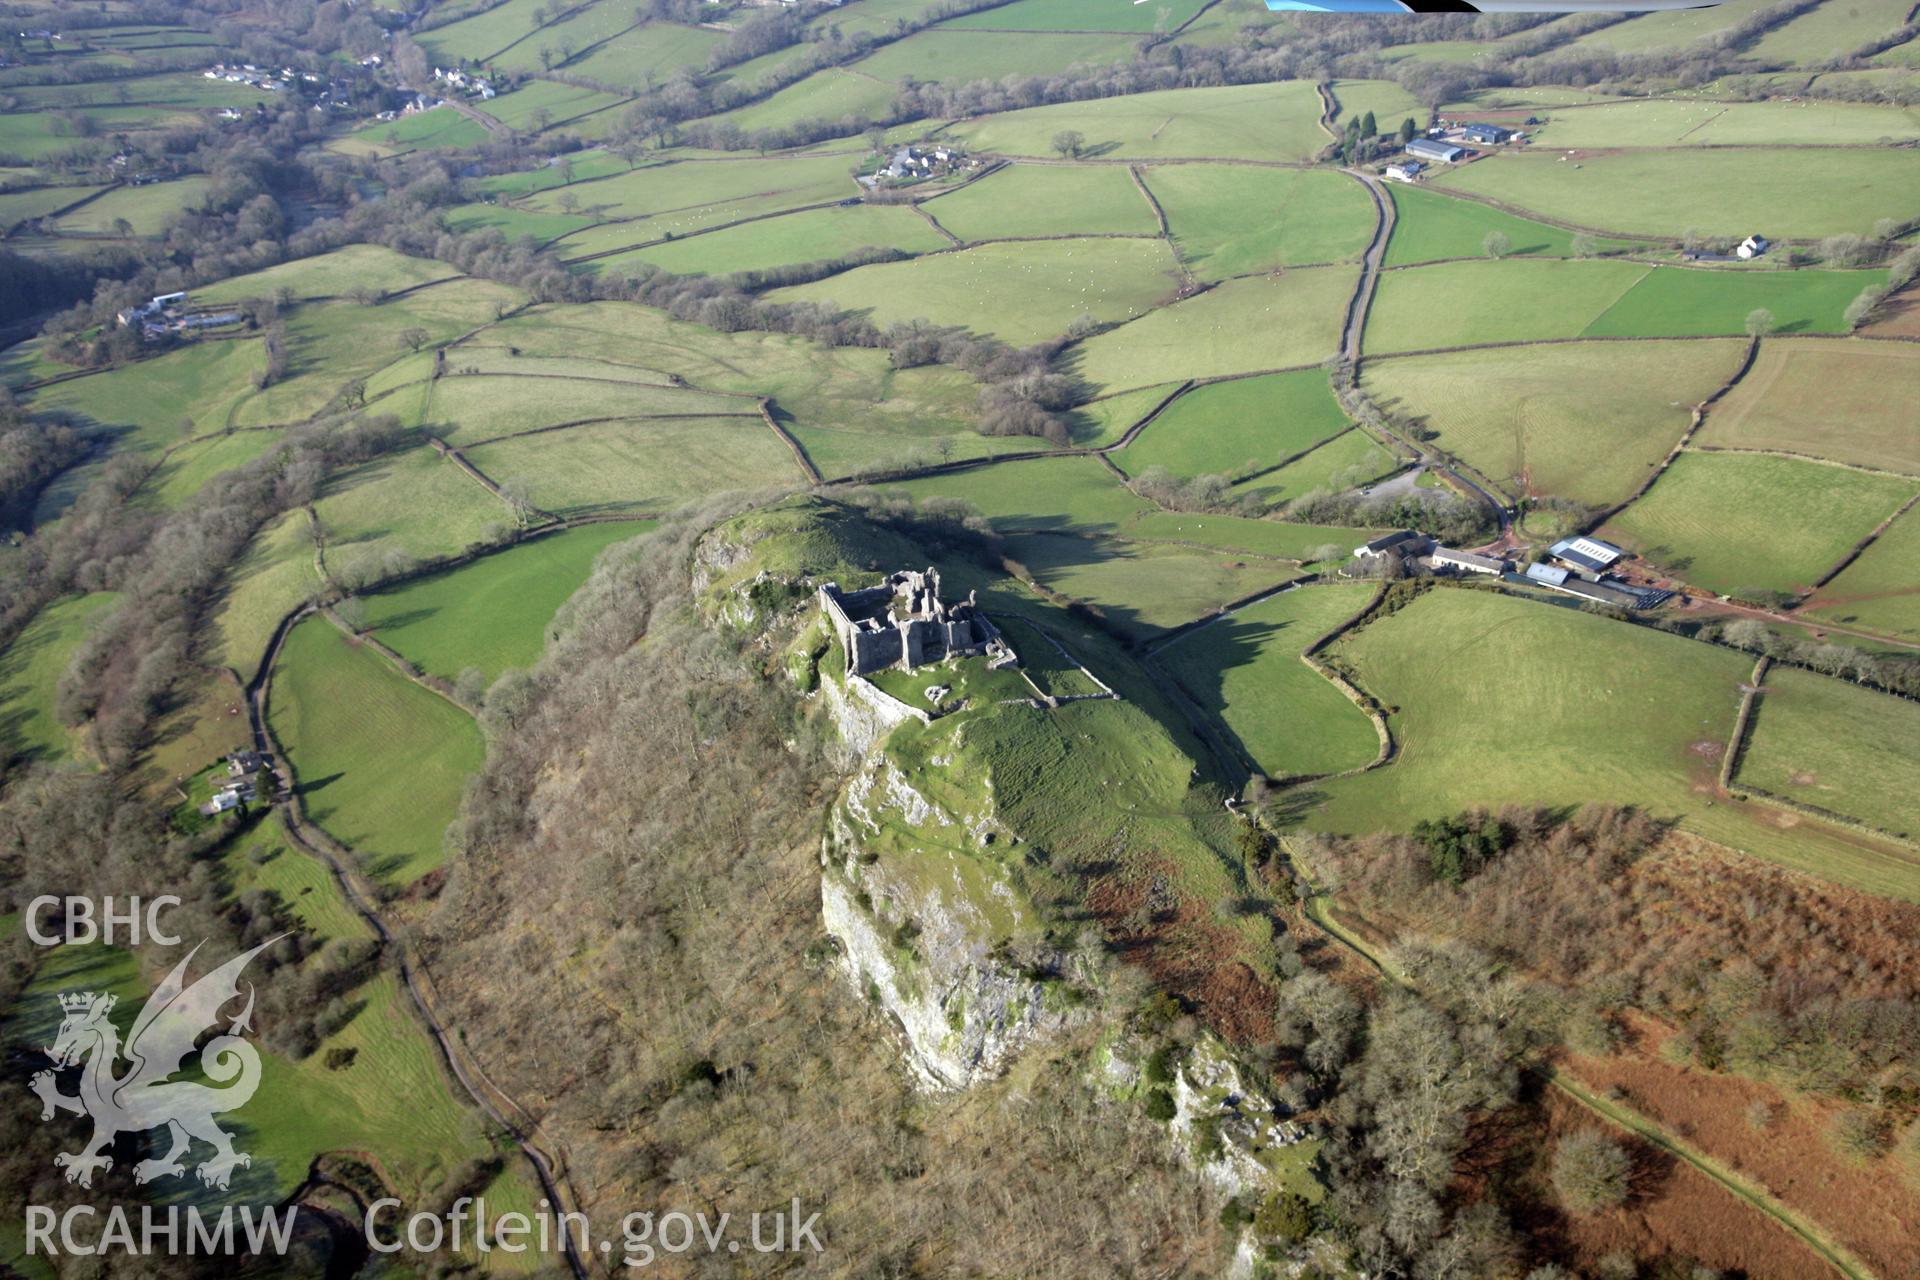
(904, 623)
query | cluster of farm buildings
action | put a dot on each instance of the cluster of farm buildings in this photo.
(1578, 566)
(912, 164)
(166, 313)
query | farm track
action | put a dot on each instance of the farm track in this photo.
(1316, 906)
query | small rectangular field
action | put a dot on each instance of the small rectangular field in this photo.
(951, 56)
(1456, 304)
(1753, 523)
(1345, 462)
(1042, 494)
(1672, 122)
(812, 236)
(1673, 302)
(470, 409)
(1021, 292)
(1239, 122)
(1803, 192)
(1230, 428)
(1229, 220)
(1046, 200)
(379, 762)
(1585, 421)
(30, 671)
(1081, 15)
(1881, 590)
(644, 465)
(492, 614)
(1245, 670)
(1143, 589)
(401, 507)
(1827, 399)
(1260, 324)
(1836, 746)
(1431, 226)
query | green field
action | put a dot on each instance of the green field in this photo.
(1245, 671)
(1282, 538)
(1802, 192)
(953, 56)
(147, 210)
(1046, 200)
(1019, 292)
(274, 577)
(1835, 746)
(492, 614)
(1104, 421)
(1082, 15)
(1389, 103)
(477, 38)
(1828, 399)
(30, 671)
(1675, 302)
(1142, 589)
(1583, 710)
(1344, 462)
(1243, 326)
(1045, 494)
(1741, 523)
(1229, 428)
(437, 129)
(469, 409)
(1230, 220)
(28, 203)
(1668, 29)
(521, 109)
(812, 236)
(650, 55)
(1584, 421)
(378, 762)
(1454, 304)
(1878, 591)
(334, 274)
(402, 507)
(1831, 31)
(833, 93)
(1430, 226)
(150, 405)
(1241, 122)
(650, 465)
(1669, 122)
(514, 223)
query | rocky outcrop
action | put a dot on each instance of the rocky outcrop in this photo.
(1228, 1132)
(863, 715)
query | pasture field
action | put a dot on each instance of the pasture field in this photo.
(1878, 591)
(832, 93)
(1742, 523)
(654, 52)
(1081, 15)
(1100, 422)
(1677, 302)
(274, 577)
(1830, 31)
(491, 614)
(515, 223)
(1046, 200)
(30, 670)
(1805, 193)
(1430, 226)
(1043, 494)
(1240, 122)
(1828, 399)
(187, 469)
(1583, 421)
(166, 92)
(1245, 671)
(1668, 29)
(1647, 730)
(813, 236)
(1836, 746)
(1344, 462)
(849, 388)
(1389, 103)
(17, 207)
(34, 135)
(378, 761)
(1243, 326)
(1143, 588)
(147, 405)
(554, 43)
(1229, 220)
(1041, 661)
(147, 209)
(469, 409)
(638, 466)
(479, 37)
(331, 275)
(1454, 304)
(1281, 538)
(954, 56)
(436, 129)
(1019, 292)
(689, 189)
(483, 357)
(520, 109)
(1693, 122)
(408, 505)
(1229, 428)
(578, 166)
(839, 453)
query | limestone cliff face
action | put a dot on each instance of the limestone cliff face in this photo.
(925, 926)
(1230, 1133)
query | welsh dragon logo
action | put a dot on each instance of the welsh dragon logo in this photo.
(145, 1096)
